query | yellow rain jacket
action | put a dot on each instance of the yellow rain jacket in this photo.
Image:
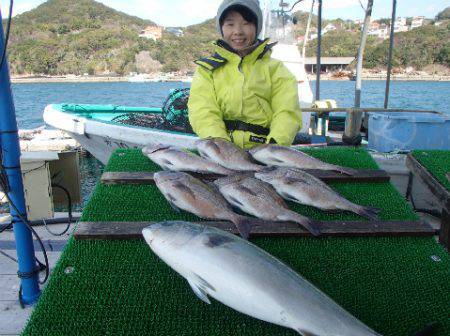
(255, 89)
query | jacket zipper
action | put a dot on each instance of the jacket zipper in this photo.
(242, 86)
(242, 94)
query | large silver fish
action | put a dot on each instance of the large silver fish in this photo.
(260, 200)
(226, 154)
(273, 155)
(298, 186)
(172, 158)
(190, 194)
(249, 280)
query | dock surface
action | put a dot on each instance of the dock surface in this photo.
(13, 317)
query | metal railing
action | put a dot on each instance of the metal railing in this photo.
(321, 111)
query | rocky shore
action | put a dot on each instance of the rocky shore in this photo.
(329, 76)
(100, 79)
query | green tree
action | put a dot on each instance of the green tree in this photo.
(444, 15)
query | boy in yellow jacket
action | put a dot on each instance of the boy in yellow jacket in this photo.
(240, 93)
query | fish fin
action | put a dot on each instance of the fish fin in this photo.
(200, 292)
(174, 207)
(183, 188)
(167, 162)
(289, 180)
(274, 159)
(289, 197)
(216, 240)
(153, 148)
(309, 224)
(246, 190)
(234, 201)
(368, 212)
(305, 333)
(205, 156)
(293, 176)
(332, 211)
(171, 201)
(200, 287)
(212, 185)
(215, 147)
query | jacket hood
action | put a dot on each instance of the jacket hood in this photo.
(252, 5)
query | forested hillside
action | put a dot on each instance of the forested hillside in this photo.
(83, 36)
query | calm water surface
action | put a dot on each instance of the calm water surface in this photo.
(31, 99)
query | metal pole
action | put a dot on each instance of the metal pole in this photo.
(391, 53)
(308, 27)
(352, 133)
(318, 63)
(10, 149)
(319, 50)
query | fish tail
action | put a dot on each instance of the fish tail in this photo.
(368, 212)
(244, 225)
(429, 330)
(309, 224)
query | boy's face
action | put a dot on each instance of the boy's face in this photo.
(237, 32)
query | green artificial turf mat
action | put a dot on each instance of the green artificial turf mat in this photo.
(145, 202)
(437, 162)
(394, 285)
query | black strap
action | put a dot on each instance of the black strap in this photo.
(17, 218)
(9, 132)
(29, 275)
(237, 125)
(11, 168)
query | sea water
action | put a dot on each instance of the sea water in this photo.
(31, 99)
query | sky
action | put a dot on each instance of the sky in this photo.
(187, 12)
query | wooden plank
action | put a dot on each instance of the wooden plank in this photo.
(132, 230)
(444, 233)
(324, 175)
(432, 183)
(439, 191)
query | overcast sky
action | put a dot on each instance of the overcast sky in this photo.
(187, 12)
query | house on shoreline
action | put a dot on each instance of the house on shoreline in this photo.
(328, 64)
(152, 32)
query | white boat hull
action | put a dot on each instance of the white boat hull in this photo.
(102, 138)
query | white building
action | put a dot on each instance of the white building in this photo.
(152, 32)
(328, 28)
(379, 30)
(400, 25)
(417, 22)
(401, 21)
(175, 30)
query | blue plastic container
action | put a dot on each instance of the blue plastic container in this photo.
(407, 131)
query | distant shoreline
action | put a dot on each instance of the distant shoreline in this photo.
(103, 79)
